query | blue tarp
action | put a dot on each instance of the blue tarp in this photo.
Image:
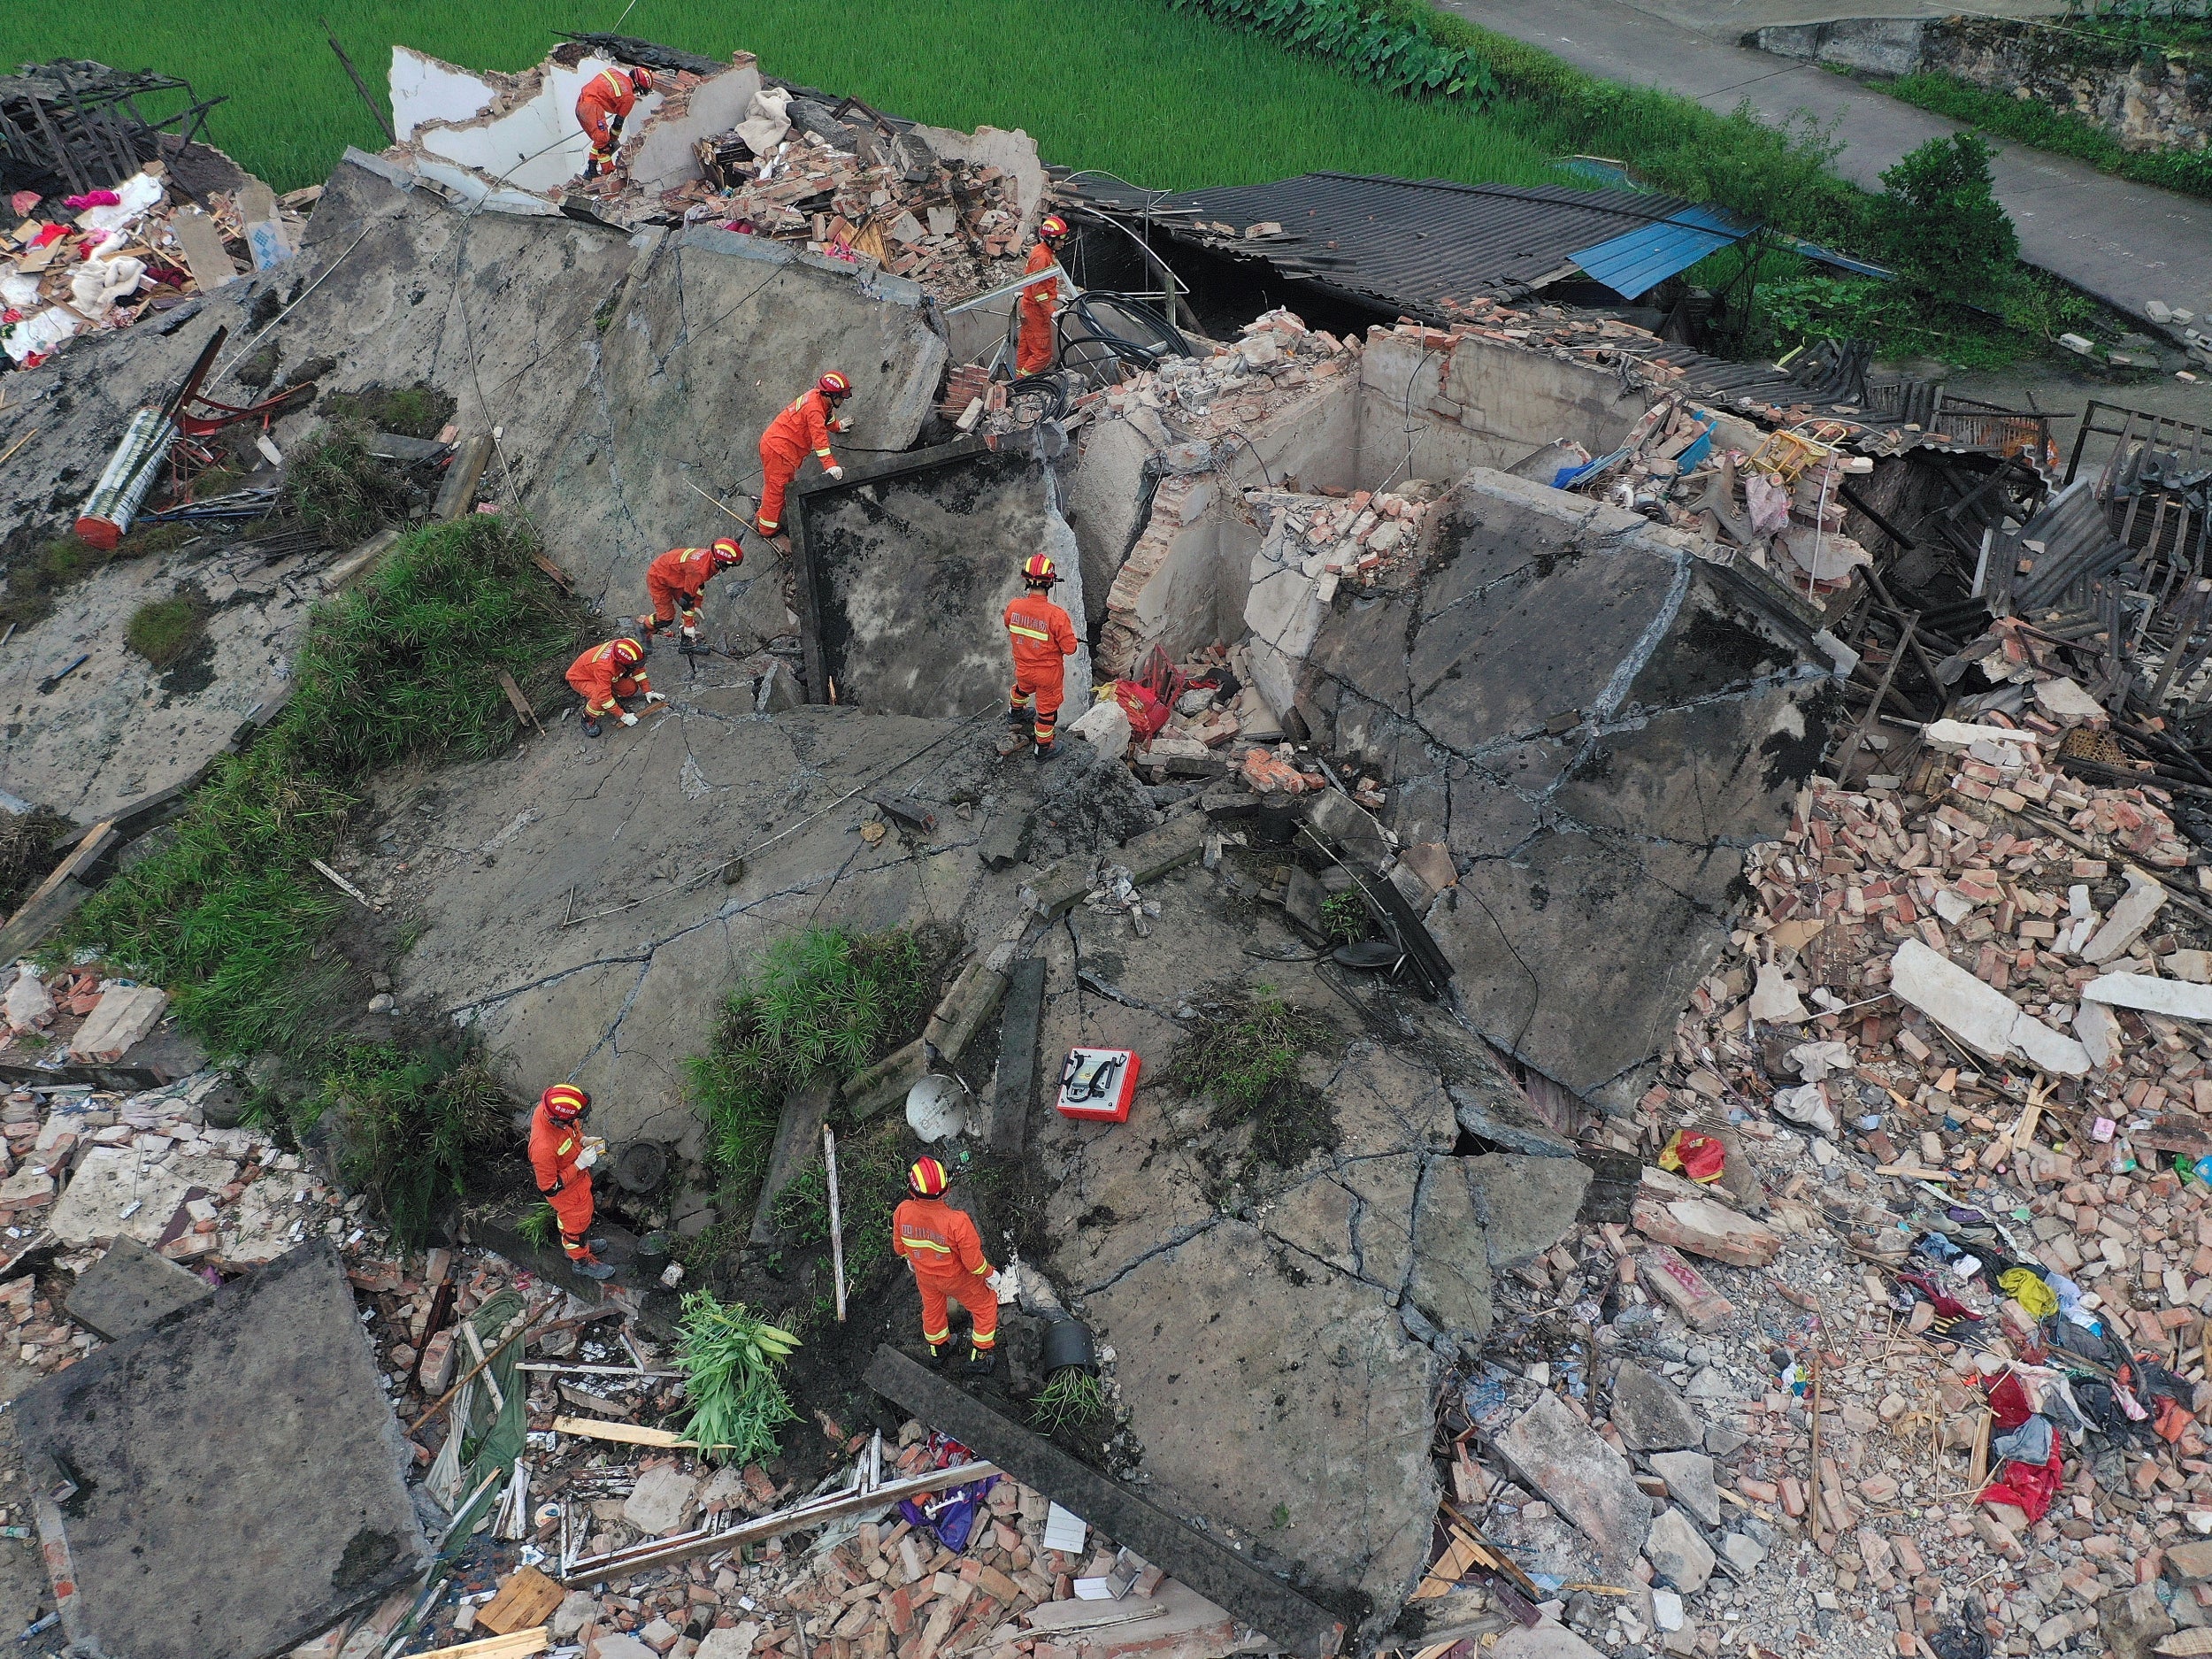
(1641, 259)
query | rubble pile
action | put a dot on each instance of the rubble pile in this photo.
(108, 258)
(1211, 399)
(1337, 536)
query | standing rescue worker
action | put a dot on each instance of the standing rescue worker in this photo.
(1043, 639)
(805, 425)
(561, 1156)
(1041, 301)
(676, 583)
(607, 673)
(940, 1244)
(603, 105)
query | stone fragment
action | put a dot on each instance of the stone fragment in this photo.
(1705, 1227)
(2127, 919)
(124, 1014)
(1525, 1204)
(1579, 1474)
(615, 1645)
(1977, 1013)
(660, 1501)
(735, 1642)
(1451, 1251)
(2098, 1032)
(1649, 1414)
(1689, 1478)
(1678, 1554)
(2189, 1562)
(2177, 999)
(1742, 1551)
(1774, 999)
(2132, 1622)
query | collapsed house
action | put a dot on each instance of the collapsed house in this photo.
(1520, 631)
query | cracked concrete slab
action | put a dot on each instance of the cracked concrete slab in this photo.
(1605, 713)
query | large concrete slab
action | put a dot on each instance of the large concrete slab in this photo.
(905, 570)
(130, 1288)
(237, 1474)
(1597, 717)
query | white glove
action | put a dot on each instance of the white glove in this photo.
(843, 423)
(628, 718)
(589, 1157)
(834, 471)
(653, 696)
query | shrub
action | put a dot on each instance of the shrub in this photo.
(27, 841)
(1941, 221)
(730, 1360)
(336, 488)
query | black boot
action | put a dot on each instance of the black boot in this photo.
(591, 727)
(982, 1362)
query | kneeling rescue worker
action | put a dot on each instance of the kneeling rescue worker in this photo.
(1043, 639)
(676, 582)
(607, 673)
(602, 106)
(940, 1244)
(804, 426)
(561, 1156)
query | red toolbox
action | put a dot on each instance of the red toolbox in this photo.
(1096, 1084)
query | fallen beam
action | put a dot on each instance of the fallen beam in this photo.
(1208, 1566)
(705, 1541)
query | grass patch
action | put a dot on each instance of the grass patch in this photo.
(1242, 1054)
(1344, 919)
(166, 631)
(822, 1003)
(1072, 1399)
(2062, 132)
(230, 916)
(870, 1182)
(412, 411)
(338, 490)
(29, 842)
(731, 1360)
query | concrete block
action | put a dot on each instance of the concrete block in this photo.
(1585, 1479)
(122, 1017)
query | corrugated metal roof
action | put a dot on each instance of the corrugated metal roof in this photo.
(1639, 260)
(1405, 245)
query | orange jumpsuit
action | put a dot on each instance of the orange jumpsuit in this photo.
(607, 99)
(940, 1244)
(1043, 640)
(600, 681)
(1032, 354)
(676, 582)
(804, 426)
(554, 1147)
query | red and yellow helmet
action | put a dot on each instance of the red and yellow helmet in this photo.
(925, 1178)
(564, 1103)
(628, 650)
(641, 79)
(1052, 228)
(1039, 568)
(834, 384)
(726, 552)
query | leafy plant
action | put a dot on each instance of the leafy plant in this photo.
(730, 1360)
(412, 1123)
(1071, 1398)
(165, 630)
(1344, 917)
(1399, 51)
(821, 1002)
(538, 1225)
(1940, 220)
(412, 411)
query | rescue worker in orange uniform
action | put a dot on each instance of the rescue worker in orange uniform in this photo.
(676, 583)
(805, 425)
(1043, 639)
(607, 673)
(561, 1156)
(1041, 301)
(940, 1244)
(603, 105)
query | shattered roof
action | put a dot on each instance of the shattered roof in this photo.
(1410, 246)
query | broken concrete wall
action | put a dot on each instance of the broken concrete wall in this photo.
(523, 131)
(494, 310)
(660, 152)
(716, 334)
(1014, 153)
(1477, 402)
(907, 568)
(1596, 716)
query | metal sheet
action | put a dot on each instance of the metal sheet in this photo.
(1637, 261)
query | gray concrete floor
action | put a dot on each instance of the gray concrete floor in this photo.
(2126, 243)
(26, 1596)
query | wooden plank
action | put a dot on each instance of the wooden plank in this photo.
(526, 1599)
(458, 493)
(516, 700)
(508, 1647)
(629, 1433)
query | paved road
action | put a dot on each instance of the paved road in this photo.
(2126, 243)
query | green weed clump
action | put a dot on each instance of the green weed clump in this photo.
(2031, 122)
(870, 1182)
(1073, 1398)
(539, 1225)
(1243, 1055)
(731, 1360)
(1344, 917)
(165, 630)
(822, 1003)
(412, 411)
(230, 916)
(338, 489)
(29, 842)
